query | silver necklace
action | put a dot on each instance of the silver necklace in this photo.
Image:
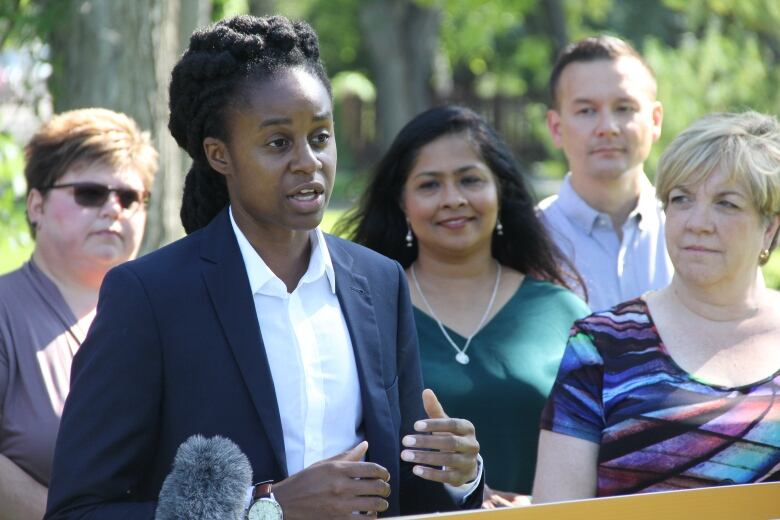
(461, 356)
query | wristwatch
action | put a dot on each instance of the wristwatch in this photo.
(264, 506)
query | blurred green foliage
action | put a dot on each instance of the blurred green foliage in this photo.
(330, 219)
(226, 8)
(708, 55)
(725, 59)
(15, 241)
(772, 271)
(24, 21)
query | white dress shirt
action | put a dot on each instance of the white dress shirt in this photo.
(614, 270)
(310, 355)
(311, 359)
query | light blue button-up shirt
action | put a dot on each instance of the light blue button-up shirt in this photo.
(613, 270)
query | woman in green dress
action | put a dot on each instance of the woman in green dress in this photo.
(492, 308)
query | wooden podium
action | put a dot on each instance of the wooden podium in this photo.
(745, 502)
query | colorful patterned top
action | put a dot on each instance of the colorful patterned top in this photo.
(659, 428)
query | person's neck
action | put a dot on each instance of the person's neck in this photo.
(454, 271)
(719, 302)
(78, 287)
(616, 197)
(285, 251)
(287, 255)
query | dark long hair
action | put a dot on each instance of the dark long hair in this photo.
(222, 59)
(378, 222)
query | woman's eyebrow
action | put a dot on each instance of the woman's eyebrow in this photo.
(278, 121)
(438, 173)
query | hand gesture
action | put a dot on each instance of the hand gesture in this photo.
(494, 499)
(333, 488)
(449, 455)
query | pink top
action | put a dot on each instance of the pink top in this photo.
(39, 336)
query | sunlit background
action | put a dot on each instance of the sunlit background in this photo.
(389, 60)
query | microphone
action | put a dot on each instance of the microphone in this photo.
(209, 481)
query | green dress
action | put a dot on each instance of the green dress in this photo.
(502, 390)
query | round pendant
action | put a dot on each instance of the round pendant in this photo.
(462, 358)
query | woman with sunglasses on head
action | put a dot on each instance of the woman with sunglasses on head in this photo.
(88, 176)
(448, 202)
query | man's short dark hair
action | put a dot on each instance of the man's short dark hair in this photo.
(602, 47)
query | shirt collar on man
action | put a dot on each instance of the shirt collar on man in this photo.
(578, 211)
(575, 208)
(260, 275)
(647, 205)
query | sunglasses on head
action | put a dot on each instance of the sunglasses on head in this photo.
(94, 195)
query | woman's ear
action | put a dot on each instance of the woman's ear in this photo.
(770, 236)
(217, 155)
(35, 200)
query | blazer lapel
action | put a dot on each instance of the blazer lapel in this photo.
(226, 280)
(354, 295)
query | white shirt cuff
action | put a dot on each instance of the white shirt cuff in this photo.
(248, 502)
(462, 492)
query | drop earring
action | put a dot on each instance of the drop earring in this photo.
(409, 236)
(499, 228)
(763, 257)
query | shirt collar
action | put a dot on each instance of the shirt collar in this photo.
(647, 205)
(259, 274)
(577, 210)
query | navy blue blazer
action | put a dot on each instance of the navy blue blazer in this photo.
(175, 349)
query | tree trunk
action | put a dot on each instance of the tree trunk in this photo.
(556, 13)
(402, 39)
(119, 55)
(263, 7)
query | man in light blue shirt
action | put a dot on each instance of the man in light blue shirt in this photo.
(605, 219)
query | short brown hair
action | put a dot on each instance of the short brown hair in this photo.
(86, 136)
(602, 47)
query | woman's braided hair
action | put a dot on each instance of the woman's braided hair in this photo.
(221, 61)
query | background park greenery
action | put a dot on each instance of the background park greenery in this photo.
(389, 59)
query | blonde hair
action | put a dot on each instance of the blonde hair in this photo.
(745, 145)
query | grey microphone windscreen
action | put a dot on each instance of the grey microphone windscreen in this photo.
(209, 481)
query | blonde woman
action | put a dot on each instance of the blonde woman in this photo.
(678, 389)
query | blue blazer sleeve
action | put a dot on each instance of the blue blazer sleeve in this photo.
(166, 357)
(104, 445)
